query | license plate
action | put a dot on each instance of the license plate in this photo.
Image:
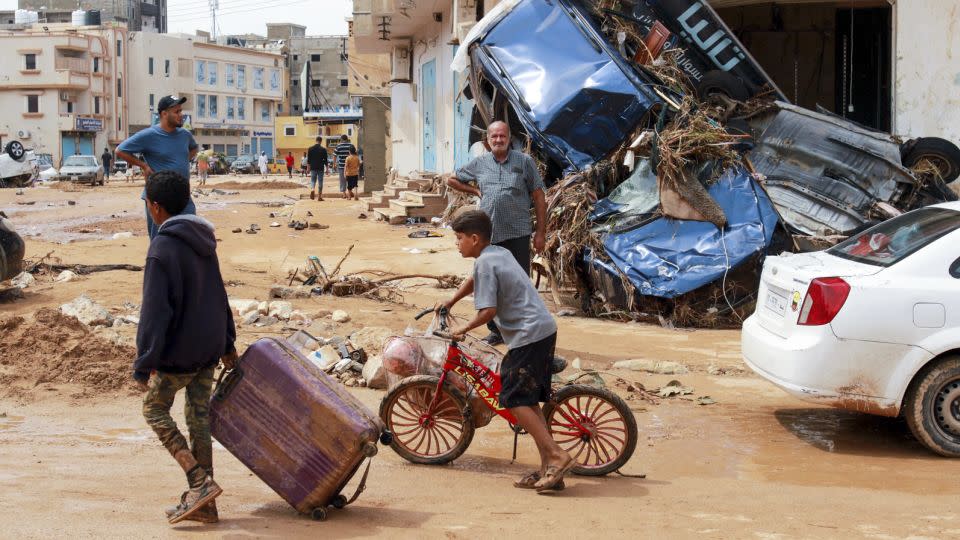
(776, 303)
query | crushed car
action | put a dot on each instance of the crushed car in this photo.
(583, 93)
(18, 166)
(12, 250)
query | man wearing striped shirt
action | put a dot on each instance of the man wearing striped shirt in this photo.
(343, 150)
(508, 184)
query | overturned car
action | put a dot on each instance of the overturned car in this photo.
(586, 95)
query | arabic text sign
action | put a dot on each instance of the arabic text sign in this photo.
(89, 124)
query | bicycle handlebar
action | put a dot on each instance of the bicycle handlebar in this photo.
(422, 313)
(443, 334)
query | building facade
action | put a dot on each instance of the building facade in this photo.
(64, 90)
(232, 93)
(136, 15)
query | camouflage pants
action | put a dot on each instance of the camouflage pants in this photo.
(159, 400)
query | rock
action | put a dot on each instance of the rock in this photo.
(281, 291)
(566, 312)
(23, 281)
(327, 357)
(371, 338)
(242, 306)
(65, 276)
(299, 316)
(280, 310)
(236, 230)
(652, 366)
(322, 314)
(361, 383)
(122, 235)
(87, 311)
(251, 317)
(267, 321)
(576, 363)
(350, 382)
(374, 374)
(263, 308)
(130, 319)
(340, 316)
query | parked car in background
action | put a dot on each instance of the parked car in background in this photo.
(245, 164)
(11, 249)
(120, 166)
(871, 324)
(82, 168)
(18, 166)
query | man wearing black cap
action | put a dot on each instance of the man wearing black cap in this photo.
(165, 146)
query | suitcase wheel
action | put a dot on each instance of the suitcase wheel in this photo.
(386, 438)
(318, 514)
(339, 502)
(369, 449)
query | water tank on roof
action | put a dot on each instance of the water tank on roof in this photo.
(93, 18)
(25, 16)
(78, 17)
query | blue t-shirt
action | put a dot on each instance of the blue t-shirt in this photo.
(161, 150)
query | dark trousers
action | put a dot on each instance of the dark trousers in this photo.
(520, 249)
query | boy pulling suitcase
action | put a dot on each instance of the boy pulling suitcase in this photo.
(186, 326)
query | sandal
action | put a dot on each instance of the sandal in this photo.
(553, 476)
(530, 480)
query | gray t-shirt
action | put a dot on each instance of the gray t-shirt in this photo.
(500, 282)
(505, 190)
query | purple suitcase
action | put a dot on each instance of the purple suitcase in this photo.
(294, 426)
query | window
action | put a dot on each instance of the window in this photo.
(231, 149)
(275, 79)
(30, 61)
(96, 64)
(241, 77)
(33, 104)
(119, 48)
(151, 101)
(212, 69)
(218, 148)
(314, 57)
(296, 82)
(265, 111)
(258, 78)
(150, 66)
(343, 82)
(201, 105)
(290, 131)
(896, 239)
(230, 107)
(296, 57)
(166, 68)
(279, 108)
(69, 106)
(119, 123)
(315, 83)
(119, 87)
(241, 102)
(212, 103)
(296, 108)
(96, 104)
(201, 72)
(229, 75)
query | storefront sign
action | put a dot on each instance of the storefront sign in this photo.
(89, 124)
(262, 133)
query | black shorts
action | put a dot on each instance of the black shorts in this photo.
(352, 182)
(526, 372)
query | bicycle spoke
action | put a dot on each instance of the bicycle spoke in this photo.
(606, 436)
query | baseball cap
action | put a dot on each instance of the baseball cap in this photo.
(169, 101)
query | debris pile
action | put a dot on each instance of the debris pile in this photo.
(52, 347)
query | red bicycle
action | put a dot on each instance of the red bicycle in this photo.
(432, 421)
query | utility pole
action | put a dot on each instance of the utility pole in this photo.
(214, 5)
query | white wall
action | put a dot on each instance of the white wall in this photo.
(927, 69)
(429, 43)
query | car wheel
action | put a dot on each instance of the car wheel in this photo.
(941, 153)
(721, 82)
(932, 407)
(15, 150)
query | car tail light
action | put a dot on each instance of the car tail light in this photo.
(825, 297)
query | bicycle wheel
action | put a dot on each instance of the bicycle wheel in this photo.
(429, 439)
(611, 429)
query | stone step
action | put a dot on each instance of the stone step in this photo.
(424, 198)
(371, 203)
(414, 209)
(393, 218)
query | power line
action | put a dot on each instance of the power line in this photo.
(259, 6)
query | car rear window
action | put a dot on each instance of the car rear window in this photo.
(896, 239)
(80, 161)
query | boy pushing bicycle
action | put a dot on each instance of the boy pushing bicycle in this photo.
(503, 293)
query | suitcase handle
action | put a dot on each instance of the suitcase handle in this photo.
(227, 380)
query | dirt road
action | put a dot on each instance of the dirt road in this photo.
(756, 464)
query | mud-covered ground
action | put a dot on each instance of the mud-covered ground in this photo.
(77, 460)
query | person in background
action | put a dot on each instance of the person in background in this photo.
(203, 165)
(289, 161)
(343, 150)
(303, 166)
(317, 163)
(106, 160)
(262, 164)
(351, 169)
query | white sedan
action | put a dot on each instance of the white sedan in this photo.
(871, 324)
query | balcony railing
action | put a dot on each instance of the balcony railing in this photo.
(76, 65)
